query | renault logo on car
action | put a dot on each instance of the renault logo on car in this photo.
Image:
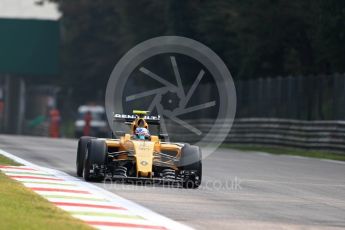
(143, 163)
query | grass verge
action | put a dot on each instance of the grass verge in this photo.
(287, 151)
(7, 161)
(20, 208)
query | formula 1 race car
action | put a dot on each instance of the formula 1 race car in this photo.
(139, 156)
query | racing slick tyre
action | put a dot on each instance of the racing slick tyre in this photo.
(95, 160)
(82, 145)
(191, 164)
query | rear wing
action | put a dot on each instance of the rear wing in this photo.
(151, 120)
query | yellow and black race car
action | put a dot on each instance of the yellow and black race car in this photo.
(139, 155)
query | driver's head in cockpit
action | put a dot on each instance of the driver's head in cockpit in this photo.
(141, 132)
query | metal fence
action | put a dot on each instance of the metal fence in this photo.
(302, 112)
(319, 97)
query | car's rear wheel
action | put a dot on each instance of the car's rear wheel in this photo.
(81, 151)
(95, 160)
(191, 165)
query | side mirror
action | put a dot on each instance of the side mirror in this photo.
(163, 136)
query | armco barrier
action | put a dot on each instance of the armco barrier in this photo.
(317, 135)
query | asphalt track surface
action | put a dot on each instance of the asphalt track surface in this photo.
(239, 190)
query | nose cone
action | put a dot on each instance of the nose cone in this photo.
(144, 157)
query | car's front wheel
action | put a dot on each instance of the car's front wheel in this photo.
(191, 166)
(81, 151)
(95, 160)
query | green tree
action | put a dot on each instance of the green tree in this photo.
(256, 38)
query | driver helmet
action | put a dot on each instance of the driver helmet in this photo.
(141, 132)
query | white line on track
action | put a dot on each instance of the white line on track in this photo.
(334, 161)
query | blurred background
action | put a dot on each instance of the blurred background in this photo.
(287, 59)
